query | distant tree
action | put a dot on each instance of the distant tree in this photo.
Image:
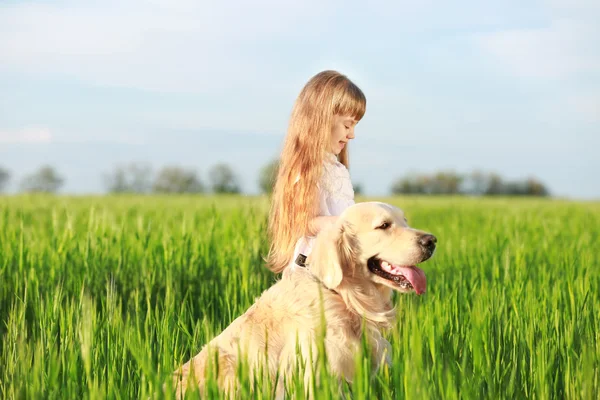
(45, 180)
(4, 178)
(528, 187)
(476, 183)
(223, 179)
(445, 182)
(358, 189)
(480, 182)
(116, 182)
(423, 184)
(440, 183)
(514, 189)
(536, 188)
(131, 178)
(409, 185)
(267, 176)
(495, 185)
(174, 179)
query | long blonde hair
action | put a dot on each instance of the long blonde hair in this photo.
(295, 202)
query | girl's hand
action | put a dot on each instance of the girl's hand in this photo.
(322, 222)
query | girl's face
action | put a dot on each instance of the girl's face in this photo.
(341, 133)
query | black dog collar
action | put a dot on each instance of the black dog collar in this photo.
(301, 260)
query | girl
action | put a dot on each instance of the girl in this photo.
(313, 184)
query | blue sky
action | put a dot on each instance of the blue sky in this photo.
(507, 87)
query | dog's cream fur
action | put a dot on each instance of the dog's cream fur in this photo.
(336, 283)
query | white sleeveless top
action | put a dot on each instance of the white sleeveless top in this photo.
(335, 195)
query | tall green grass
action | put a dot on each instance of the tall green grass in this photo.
(103, 297)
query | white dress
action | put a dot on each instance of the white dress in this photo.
(335, 195)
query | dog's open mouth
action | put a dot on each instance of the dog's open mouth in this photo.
(405, 277)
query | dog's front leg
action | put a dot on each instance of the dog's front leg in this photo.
(190, 373)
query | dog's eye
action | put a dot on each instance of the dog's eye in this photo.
(385, 225)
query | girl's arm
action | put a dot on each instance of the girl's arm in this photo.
(319, 223)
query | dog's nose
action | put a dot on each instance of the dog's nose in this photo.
(428, 241)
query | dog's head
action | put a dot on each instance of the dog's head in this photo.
(372, 241)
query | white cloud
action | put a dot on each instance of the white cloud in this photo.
(586, 105)
(564, 49)
(30, 134)
(560, 59)
(156, 45)
(562, 45)
(208, 47)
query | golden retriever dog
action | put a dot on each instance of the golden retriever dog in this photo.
(348, 281)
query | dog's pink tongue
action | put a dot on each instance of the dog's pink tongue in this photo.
(416, 277)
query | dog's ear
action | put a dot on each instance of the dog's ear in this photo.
(332, 254)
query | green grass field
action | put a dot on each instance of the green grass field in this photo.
(103, 297)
